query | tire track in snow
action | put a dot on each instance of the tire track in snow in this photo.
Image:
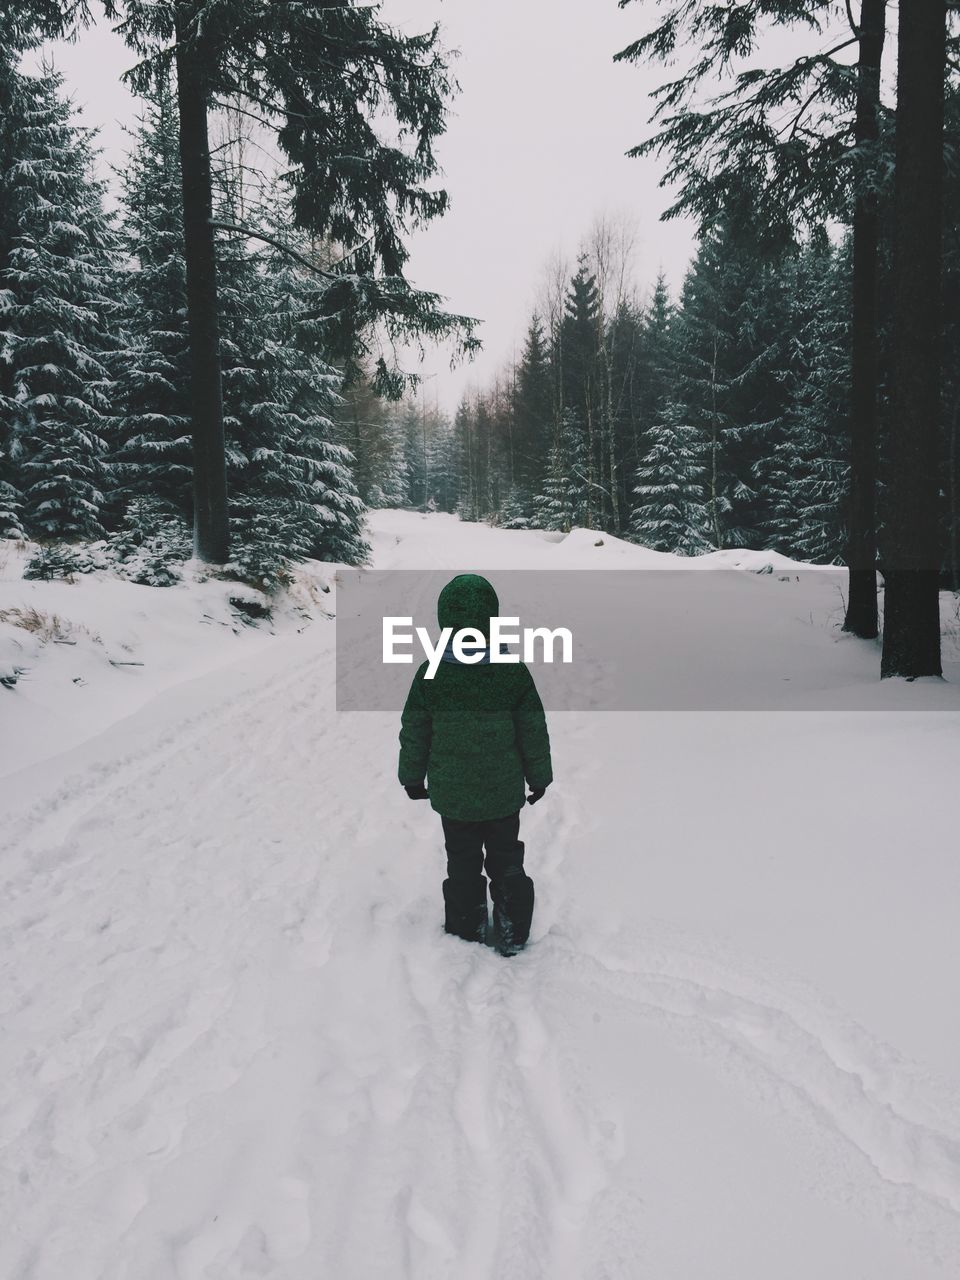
(137, 1037)
(841, 1092)
(535, 1162)
(90, 787)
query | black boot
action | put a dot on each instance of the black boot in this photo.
(512, 912)
(465, 900)
(510, 886)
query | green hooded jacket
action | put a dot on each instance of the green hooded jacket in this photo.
(474, 732)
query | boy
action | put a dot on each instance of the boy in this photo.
(477, 732)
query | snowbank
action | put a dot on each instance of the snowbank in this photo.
(76, 656)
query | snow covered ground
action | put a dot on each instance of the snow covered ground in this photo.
(236, 1042)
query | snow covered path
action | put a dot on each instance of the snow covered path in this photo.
(237, 1044)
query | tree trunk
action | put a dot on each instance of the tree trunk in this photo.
(588, 407)
(912, 555)
(954, 497)
(610, 353)
(426, 455)
(714, 451)
(211, 538)
(861, 616)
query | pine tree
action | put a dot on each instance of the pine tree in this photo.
(532, 410)
(564, 502)
(512, 513)
(783, 147)
(412, 428)
(294, 495)
(152, 432)
(579, 340)
(806, 477)
(464, 434)
(11, 524)
(730, 335)
(56, 272)
(443, 457)
(705, 337)
(656, 365)
(670, 511)
(368, 426)
(389, 478)
(483, 458)
(636, 357)
(478, 456)
(623, 349)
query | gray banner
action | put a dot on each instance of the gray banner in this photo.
(644, 640)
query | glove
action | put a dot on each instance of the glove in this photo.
(536, 793)
(417, 791)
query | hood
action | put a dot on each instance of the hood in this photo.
(468, 601)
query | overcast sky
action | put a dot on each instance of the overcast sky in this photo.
(534, 151)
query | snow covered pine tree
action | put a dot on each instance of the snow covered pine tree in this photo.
(57, 263)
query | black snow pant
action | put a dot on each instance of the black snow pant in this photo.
(465, 889)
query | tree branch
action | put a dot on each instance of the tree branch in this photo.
(800, 114)
(238, 230)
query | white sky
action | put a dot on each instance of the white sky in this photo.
(534, 151)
